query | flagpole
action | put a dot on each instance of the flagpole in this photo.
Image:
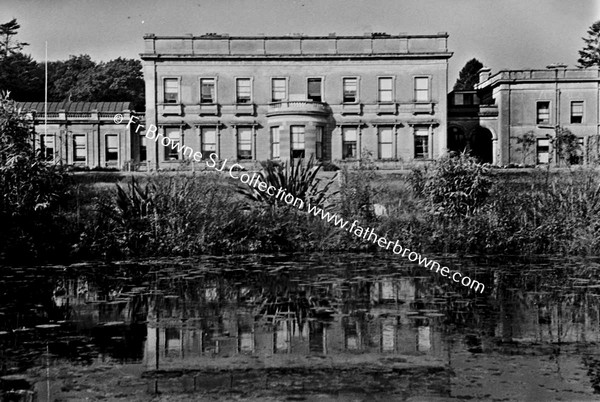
(46, 95)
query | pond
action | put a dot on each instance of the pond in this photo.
(301, 327)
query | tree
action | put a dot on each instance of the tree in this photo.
(468, 76)
(590, 54)
(7, 45)
(22, 76)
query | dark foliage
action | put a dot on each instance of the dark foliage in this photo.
(468, 76)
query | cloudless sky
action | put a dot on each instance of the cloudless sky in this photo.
(500, 33)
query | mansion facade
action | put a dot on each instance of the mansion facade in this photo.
(257, 98)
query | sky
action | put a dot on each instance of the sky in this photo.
(500, 33)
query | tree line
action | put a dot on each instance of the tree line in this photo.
(77, 79)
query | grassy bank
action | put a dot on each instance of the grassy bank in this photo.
(482, 211)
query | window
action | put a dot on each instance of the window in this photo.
(319, 143)
(244, 143)
(543, 113)
(243, 90)
(208, 141)
(79, 151)
(386, 143)
(421, 143)
(275, 143)
(111, 153)
(576, 112)
(47, 146)
(171, 150)
(577, 156)
(314, 90)
(350, 90)
(171, 90)
(278, 89)
(143, 148)
(421, 89)
(349, 135)
(385, 90)
(297, 141)
(543, 150)
(207, 90)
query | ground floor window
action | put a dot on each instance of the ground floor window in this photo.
(79, 148)
(386, 149)
(111, 151)
(577, 157)
(543, 150)
(47, 146)
(244, 143)
(297, 134)
(143, 148)
(319, 143)
(421, 143)
(349, 135)
(275, 143)
(172, 149)
(208, 140)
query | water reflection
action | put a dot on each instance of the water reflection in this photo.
(315, 314)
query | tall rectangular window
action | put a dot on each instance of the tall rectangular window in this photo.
(171, 94)
(278, 89)
(111, 153)
(422, 89)
(47, 146)
(350, 87)
(243, 90)
(543, 150)
(577, 156)
(421, 143)
(543, 113)
(208, 91)
(297, 133)
(208, 141)
(275, 143)
(577, 112)
(385, 90)
(143, 148)
(349, 135)
(79, 148)
(315, 89)
(244, 143)
(319, 143)
(386, 143)
(171, 150)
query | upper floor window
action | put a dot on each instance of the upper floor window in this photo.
(208, 90)
(315, 89)
(422, 89)
(171, 94)
(278, 89)
(350, 90)
(243, 90)
(385, 89)
(297, 133)
(349, 135)
(577, 112)
(543, 113)
(79, 148)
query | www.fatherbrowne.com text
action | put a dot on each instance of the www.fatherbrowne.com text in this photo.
(280, 194)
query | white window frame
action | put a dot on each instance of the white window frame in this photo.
(275, 145)
(322, 86)
(357, 134)
(106, 147)
(286, 88)
(416, 91)
(202, 129)
(320, 131)
(216, 97)
(303, 148)
(416, 130)
(238, 142)
(391, 142)
(582, 103)
(164, 87)
(251, 100)
(537, 111)
(379, 78)
(78, 146)
(357, 97)
(168, 150)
